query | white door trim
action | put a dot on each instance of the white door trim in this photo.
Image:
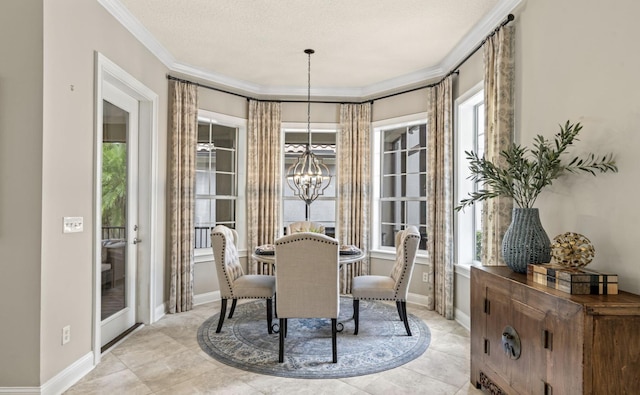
(151, 249)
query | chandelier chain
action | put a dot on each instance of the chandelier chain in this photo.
(309, 98)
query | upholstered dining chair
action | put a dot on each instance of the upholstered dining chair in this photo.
(307, 282)
(394, 286)
(234, 284)
(305, 226)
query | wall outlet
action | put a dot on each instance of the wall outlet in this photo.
(425, 277)
(72, 224)
(66, 334)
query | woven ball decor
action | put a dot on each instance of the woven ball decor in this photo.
(572, 250)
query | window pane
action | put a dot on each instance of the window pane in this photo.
(225, 184)
(403, 184)
(416, 185)
(423, 237)
(215, 183)
(392, 211)
(323, 145)
(223, 136)
(323, 211)
(225, 160)
(202, 174)
(293, 210)
(390, 186)
(417, 160)
(391, 163)
(203, 215)
(388, 235)
(225, 210)
(477, 230)
(203, 132)
(416, 213)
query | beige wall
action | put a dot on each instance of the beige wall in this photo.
(46, 161)
(20, 191)
(578, 60)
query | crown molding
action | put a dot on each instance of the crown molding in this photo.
(464, 47)
(479, 32)
(133, 25)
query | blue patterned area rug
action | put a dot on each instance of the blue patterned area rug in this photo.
(381, 344)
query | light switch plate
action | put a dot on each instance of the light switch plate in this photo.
(72, 224)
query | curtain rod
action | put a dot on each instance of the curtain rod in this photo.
(454, 70)
(170, 77)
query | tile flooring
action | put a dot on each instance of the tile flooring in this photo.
(165, 358)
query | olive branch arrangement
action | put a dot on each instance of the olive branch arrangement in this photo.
(528, 171)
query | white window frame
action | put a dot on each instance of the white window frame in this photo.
(206, 254)
(318, 127)
(465, 140)
(378, 251)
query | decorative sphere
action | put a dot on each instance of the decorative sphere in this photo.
(572, 250)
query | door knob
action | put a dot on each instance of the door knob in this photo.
(136, 240)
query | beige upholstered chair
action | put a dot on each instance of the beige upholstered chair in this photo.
(307, 281)
(234, 284)
(395, 286)
(305, 226)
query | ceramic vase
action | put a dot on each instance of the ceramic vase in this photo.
(525, 241)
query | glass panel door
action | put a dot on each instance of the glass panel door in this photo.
(119, 212)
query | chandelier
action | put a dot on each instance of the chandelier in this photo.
(308, 177)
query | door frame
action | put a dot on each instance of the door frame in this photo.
(151, 249)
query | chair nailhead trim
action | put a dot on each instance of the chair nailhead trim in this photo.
(224, 270)
(404, 268)
(306, 238)
(222, 262)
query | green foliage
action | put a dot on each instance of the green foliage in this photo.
(478, 245)
(528, 171)
(114, 184)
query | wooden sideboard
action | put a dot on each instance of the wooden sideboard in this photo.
(568, 344)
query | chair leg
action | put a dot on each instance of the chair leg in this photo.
(356, 314)
(223, 312)
(275, 305)
(269, 316)
(399, 310)
(405, 318)
(281, 345)
(334, 343)
(286, 325)
(233, 307)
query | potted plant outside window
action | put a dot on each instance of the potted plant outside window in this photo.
(524, 174)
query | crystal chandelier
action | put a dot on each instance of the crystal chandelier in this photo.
(308, 177)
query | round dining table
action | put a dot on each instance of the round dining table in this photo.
(342, 258)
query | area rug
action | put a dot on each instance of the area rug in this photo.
(381, 344)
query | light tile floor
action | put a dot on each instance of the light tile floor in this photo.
(165, 358)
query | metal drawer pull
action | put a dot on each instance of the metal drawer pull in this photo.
(511, 342)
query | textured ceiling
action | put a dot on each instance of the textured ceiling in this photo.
(362, 46)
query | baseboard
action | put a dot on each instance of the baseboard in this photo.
(159, 312)
(69, 376)
(418, 299)
(207, 297)
(462, 318)
(20, 390)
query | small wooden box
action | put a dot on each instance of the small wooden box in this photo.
(576, 281)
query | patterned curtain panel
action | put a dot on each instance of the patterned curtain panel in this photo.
(354, 188)
(264, 177)
(183, 124)
(440, 197)
(499, 75)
